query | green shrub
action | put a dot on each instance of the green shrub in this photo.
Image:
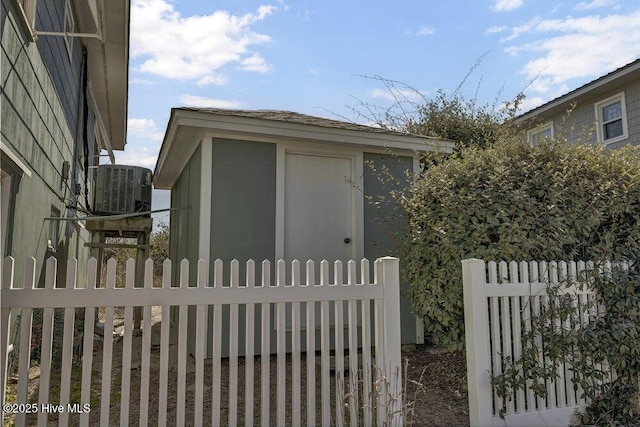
(514, 202)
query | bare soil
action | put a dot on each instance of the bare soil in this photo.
(434, 387)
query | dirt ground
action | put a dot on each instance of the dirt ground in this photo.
(434, 387)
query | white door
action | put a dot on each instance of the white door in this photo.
(318, 208)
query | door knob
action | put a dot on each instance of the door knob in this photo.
(347, 240)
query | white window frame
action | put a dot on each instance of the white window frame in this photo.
(533, 135)
(27, 14)
(69, 26)
(600, 124)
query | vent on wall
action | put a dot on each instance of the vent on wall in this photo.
(123, 189)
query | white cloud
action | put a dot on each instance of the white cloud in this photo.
(144, 129)
(202, 102)
(425, 30)
(398, 95)
(136, 81)
(495, 29)
(507, 5)
(576, 48)
(255, 62)
(138, 156)
(195, 47)
(595, 4)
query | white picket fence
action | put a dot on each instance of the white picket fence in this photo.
(368, 392)
(500, 300)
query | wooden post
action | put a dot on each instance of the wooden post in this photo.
(7, 282)
(142, 253)
(392, 338)
(476, 323)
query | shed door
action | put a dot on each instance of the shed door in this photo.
(318, 208)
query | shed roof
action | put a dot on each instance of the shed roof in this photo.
(293, 117)
(187, 126)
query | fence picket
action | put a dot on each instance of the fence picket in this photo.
(26, 320)
(353, 347)
(163, 381)
(182, 347)
(265, 353)
(201, 342)
(295, 347)
(249, 344)
(496, 340)
(311, 348)
(67, 346)
(325, 368)
(516, 322)
(146, 346)
(233, 346)
(338, 281)
(506, 326)
(47, 341)
(87, 347)
(281, 334)
(127, 346)
(107, 349)
(216, 339)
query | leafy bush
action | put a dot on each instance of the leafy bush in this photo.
(514, 201)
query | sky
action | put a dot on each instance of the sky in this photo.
(319, 57)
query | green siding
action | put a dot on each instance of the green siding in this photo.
(185, 222)
(243, 201)
(381, 222)
(243, 214)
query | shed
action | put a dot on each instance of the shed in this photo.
(264, 184)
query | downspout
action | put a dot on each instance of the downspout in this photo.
(85, 133)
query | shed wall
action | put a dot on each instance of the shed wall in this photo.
(383, 220)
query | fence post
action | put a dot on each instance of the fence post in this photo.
(7, 283)
(392, 338)
(476, 325)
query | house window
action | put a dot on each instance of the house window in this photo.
(69, 27)
(611, 116)
(535, 136)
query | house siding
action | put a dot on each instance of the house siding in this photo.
(41, 125)
(41, 128)
(580, 124)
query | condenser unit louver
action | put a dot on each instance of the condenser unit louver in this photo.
(123, 189)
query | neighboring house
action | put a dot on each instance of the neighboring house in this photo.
(606, 109)
(280, 185)
(64, 98)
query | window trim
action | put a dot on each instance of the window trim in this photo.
(71, 28)
(538, 130)
(599, 121)
(26, 11)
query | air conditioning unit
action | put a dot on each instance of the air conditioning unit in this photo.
(123, 189)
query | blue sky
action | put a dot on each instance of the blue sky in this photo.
(311, 56)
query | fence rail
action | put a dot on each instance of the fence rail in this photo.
(500, 301)
(357, 338)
